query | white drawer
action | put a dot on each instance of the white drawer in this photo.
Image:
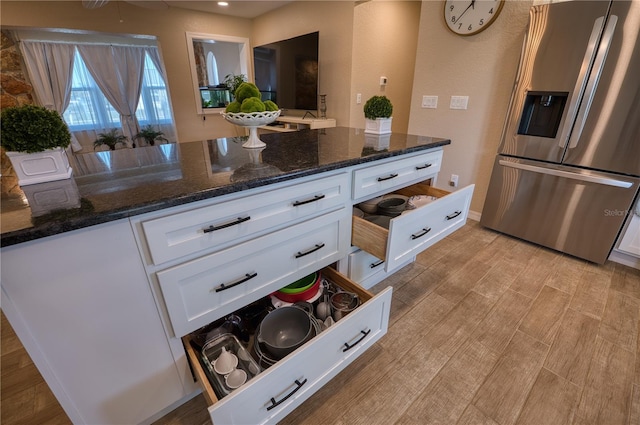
(384, 178)
(202, 290)
(413, 232)
(236, 220)
(296, 377)
(362, 265)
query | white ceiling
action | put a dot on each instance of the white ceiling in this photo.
(239, 8)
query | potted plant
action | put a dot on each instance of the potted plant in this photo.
(377, 113)
(35, 139)
(111, 138)
(150, 135)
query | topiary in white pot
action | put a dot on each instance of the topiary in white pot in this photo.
(377, 114)
(35, 139)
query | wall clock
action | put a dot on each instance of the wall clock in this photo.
(469, 17)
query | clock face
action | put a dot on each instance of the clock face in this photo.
(468, 17)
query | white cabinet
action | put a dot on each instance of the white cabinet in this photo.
(105, 311)
(223, 279)
(81, 305)
(310, 229)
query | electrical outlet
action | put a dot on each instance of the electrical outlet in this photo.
(359, 98)
(459, 102)
(430, 102)
(453, 181)
(383, 81)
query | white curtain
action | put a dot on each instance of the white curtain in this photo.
(50, 68)
(169, 129)
(118, 71)
(90, 122)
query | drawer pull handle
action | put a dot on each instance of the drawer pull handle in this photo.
(454, 215)
(226, 286)
(421, 234)
(422, 167)
(389, 177)
(312, 250)
(348, 347)
(376, 264)
(275, 403)
(314, 199)
(224, 226)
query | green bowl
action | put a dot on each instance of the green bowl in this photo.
(300, 285)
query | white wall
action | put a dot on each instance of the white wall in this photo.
(481, 66)
(384, 44)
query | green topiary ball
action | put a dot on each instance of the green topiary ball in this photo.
(233, 107)
(245, 91)
(378, 107)
(31, 128)
(270, 106)
(252, 104)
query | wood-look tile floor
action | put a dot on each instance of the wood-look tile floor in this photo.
(484, 329)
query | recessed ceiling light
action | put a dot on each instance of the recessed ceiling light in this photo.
(223, 3)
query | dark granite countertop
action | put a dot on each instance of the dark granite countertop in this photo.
(112, 185)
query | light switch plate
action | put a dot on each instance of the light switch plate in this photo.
(459, 102)
(430, 102)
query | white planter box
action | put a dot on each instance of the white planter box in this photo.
(378, 126)
(40, 167)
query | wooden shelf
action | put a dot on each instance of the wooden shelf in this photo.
(298, 123)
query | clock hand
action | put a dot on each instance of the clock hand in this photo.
(465, 11)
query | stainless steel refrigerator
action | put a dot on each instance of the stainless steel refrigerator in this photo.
(568, 167)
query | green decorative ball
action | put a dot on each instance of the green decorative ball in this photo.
(31, 128)
(270, 106)
(245, 91)
(252, 104)
(233, 107)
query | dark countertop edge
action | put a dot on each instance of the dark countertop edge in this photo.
(52, 229)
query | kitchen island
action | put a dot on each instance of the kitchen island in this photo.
(102, 291)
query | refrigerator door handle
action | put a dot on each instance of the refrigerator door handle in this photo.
(594, 78)
(567, 174)
(578, 90)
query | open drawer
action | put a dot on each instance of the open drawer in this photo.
(278, 390)
(414, 230)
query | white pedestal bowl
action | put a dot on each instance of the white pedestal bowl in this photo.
(252, 120)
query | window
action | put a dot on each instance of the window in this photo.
(212, 70)
(153, 107)
(89, 109)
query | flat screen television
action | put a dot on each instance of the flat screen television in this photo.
(286, 72)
